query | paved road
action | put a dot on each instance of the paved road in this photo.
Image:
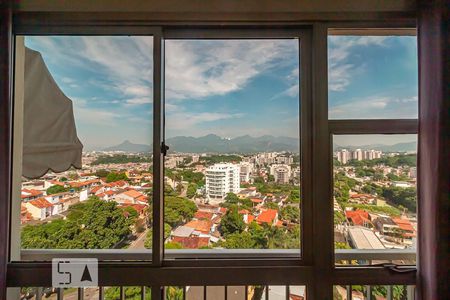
(138, 243)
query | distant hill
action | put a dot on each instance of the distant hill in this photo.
(243, 144)
(212, 143)
(400, 147)
(128, 146)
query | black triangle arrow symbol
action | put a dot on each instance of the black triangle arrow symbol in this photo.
(86, 275)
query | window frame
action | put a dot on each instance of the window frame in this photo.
(319, 272)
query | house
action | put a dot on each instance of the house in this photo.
(85, 184)
(406, 229)
(30, 194)
(267, 216)
(202, 226)
(363, 238)
(359, 217)
(132, 197)
(362, 199)
(25, 216)
(385, 225)
(40, 208)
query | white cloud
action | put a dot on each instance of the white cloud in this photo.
(198, 69)
(122, 64)
(340, 68)
(138, 101)
(187, 121)
(90, 116)
(376, 107)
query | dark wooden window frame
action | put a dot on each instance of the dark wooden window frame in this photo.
(316, 270)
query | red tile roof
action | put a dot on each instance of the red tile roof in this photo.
(203, 226)
(31, 192)
(403, 224)
(358, 217)
(256, 200)
(57, 183)
(40, 203)
(133, 194)
(203, 215)
(95, 189)
(267, 216)
(118, 183)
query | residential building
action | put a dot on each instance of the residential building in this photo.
(222, 179)
(281, 173)
(40, 208)
(245, 171)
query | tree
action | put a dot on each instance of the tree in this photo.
(271, 205)
(232, 222)
(63, 179)
(55, 189)
(239, 240)
(93, 224)
(191, 190)
(178, 210)
(113, 176)
(232, 198)
(290, 213)
(174, 293)
(294, 196)
(173, 245)
(169, 191)
(102, 173)
(131, 293)
(406, 197)
(149, 237)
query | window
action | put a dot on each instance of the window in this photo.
(374, 190)
(88, 96)
(233, 128)
(232, 136)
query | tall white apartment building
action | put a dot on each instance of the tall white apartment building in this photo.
(246, 169)
(281, 173)
(289, 160)
(344, 156)
(222, 179)
(357, 154)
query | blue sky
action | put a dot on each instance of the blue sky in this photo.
(229, 88)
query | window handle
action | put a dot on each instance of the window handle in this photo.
(164, 148)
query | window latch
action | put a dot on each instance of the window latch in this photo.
(164, 148)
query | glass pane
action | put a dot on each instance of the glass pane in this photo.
(372, 77)
(232, 124)
(98, 91)
(375, 198)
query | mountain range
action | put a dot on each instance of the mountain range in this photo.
(212, 143)
(399, 147)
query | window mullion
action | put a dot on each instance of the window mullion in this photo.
(322, 184)
(158, 158)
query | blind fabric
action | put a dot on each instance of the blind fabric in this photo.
(50, 140)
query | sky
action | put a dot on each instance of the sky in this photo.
(229, 88)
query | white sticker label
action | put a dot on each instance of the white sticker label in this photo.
(74, 272)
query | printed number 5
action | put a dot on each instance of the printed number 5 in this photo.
(64, 273)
